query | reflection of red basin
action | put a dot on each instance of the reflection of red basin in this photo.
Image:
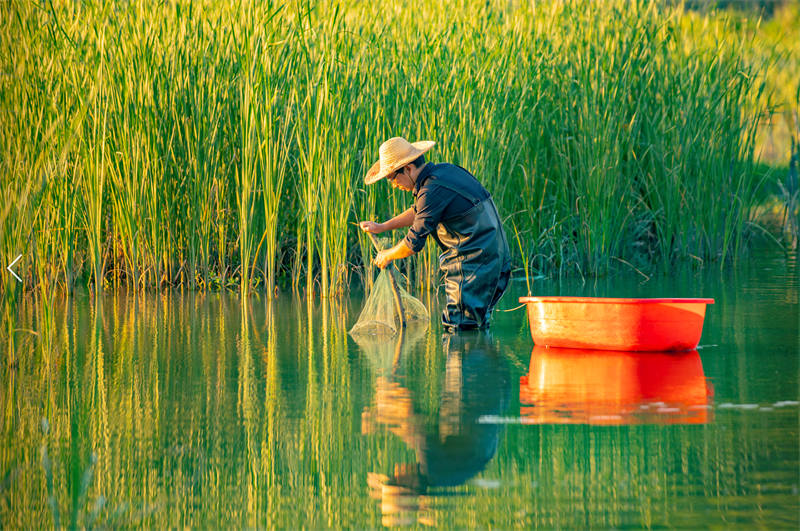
(616, 324)
(580, 386)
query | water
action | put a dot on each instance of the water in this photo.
(193, 410)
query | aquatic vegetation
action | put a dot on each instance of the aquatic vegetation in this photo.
(207, 145)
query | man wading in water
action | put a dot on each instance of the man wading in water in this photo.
(453, 207)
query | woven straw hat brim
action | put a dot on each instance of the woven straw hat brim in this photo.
(376, 173)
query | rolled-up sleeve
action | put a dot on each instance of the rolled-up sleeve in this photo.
(428, 209)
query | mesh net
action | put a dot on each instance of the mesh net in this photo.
(379, 316)
(385, 354)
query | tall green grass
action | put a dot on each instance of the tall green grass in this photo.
(223, 146)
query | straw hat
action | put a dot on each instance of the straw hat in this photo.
(394, 154)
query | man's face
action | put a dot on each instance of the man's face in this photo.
(402, 180)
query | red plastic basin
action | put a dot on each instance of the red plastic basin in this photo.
(616, 324)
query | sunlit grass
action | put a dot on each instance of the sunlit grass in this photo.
(216, 146)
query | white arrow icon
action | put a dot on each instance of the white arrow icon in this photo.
(11, 270)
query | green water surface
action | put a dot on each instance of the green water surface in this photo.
(199, 410)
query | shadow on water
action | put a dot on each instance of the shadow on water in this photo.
(449, 446)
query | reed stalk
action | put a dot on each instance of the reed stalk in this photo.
(275, 124)
(249, 147)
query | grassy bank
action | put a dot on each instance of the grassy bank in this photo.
(208, 147)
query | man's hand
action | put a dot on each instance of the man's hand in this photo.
(383, 258)
(371, 226)
(399, 251)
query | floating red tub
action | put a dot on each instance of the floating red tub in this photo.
(616, 324)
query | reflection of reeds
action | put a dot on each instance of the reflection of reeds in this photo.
(80, 515)
(274, 422)
(47, 466)
(205, 414)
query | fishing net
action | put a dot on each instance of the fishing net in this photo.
(384, 354)
(379, 317)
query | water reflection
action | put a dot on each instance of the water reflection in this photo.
(449, 446)
(197, 410)
(582, 386)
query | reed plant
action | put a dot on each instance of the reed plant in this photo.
(218, 146)
(249, 147)
(276, 124)
(311, 153)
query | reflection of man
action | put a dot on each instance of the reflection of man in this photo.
(454, 208)
(457, 447)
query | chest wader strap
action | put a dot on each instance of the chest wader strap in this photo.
(474, 200)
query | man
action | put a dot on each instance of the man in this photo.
(453, 207)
